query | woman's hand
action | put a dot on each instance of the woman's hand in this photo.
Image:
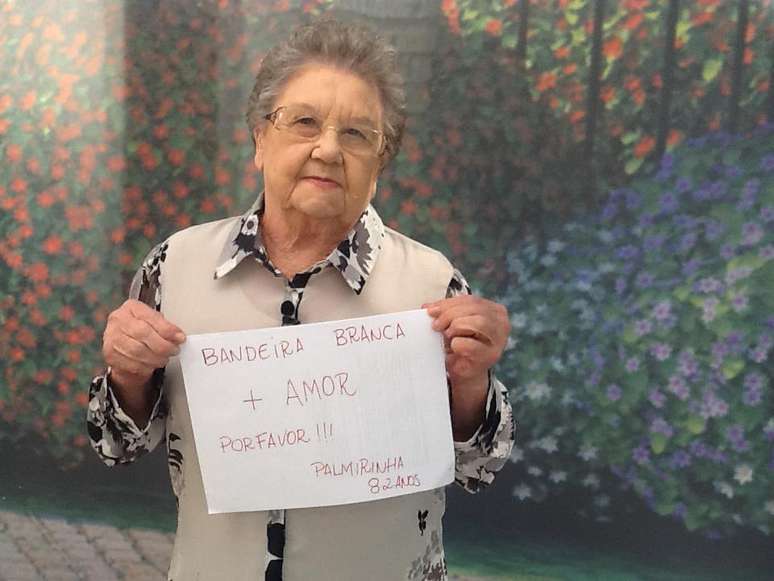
(475, 333)
(137, 340)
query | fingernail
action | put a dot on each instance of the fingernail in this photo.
(179, 337)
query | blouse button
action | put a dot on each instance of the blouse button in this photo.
(287, 308)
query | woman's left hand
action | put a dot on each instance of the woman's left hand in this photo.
(475, 333)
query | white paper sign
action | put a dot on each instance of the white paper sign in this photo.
(319, 414)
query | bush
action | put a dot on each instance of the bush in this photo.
(641, 342)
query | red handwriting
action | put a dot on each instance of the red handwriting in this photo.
(368, 334)
(279, 350)
(264, 441)
(327, 386)
(358, 467)
(376, 485)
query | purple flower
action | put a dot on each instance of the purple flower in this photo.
(632, 364)
(678, 387)
(733, 171)
(687, 364)
(646, 220)
(767, 252)
(701, 193)
(633, 200)
(739, 302)
(751, 187)
(727, 251)
(660, 426)
(767, 213)
(752, 396)
(735, 433)
(687, 242)
(690, 267)
(754, 380)
(708, 285)
(736, 274)
(712, 406)
(656, 398)
(717, 190)
(713, 229)
(668, 203)
(614, 393)
(609, 211)
(620, 285)
(662, 310)
(699, 449)
(741, 446)
(644, 280)
(660, 351)
(719, 457)
(709, 309)
(653, 242)
(751, 233)
(759, 355)
(642, 327)
(682, 184)
(628, 252)
(734, 341)
(767, 163)
(641, 455)
(768, 431)
(680, 459)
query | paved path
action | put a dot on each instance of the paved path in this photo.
(36, 548)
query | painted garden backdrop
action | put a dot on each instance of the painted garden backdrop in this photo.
(605, 169)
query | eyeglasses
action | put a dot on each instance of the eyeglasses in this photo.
(356, 138)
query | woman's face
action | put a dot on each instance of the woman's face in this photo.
(318, 179)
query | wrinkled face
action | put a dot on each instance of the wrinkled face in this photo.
(318, 178)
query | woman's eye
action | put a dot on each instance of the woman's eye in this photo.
(306, 121)
(356, 133)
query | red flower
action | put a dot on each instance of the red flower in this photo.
(644, 146)
(14, 153)
(612, 48)
(546, 81)
(633, 21)
(494, 27)
(176, 156)
(28, 101)
(38, 272)
(52, 245)
(408, 207)
(116, 163)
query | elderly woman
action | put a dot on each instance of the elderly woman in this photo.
(326, 114)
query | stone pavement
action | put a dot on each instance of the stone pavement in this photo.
(38, 548)
(51, 549)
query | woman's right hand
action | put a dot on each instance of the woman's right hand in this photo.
(137, 340)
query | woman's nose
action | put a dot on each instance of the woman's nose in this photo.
(328, 148)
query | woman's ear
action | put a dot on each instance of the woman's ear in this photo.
(258, 160)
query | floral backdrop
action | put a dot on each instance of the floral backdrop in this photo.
(640, 297)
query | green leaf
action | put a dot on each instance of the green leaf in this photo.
(630, 137)
(682, 292)
(732, 368)
(633, 165)
(695, 424)
(711, 69)
(658, 443)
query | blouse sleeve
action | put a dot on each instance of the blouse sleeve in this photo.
(113, 435)
(487, 450)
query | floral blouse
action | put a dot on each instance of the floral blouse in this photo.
(118, 440)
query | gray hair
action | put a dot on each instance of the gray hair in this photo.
(353, 47)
